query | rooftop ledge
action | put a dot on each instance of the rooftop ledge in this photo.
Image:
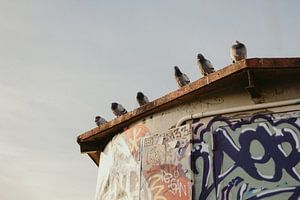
(94, 140)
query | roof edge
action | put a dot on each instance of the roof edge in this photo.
(151, 107)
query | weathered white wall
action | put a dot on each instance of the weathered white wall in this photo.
(206, 159)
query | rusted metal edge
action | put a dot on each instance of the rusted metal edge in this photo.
(220, 74)
(102, 133)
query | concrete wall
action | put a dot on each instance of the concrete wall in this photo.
(247, 155)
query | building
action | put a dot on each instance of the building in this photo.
(231, 135)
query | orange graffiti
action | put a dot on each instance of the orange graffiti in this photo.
(156, 187)
(166, 182)
(134, 136)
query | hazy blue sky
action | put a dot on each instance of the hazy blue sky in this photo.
(63, 62)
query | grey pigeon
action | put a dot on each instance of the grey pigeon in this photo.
(204, 65)
(238, 51)
(99, 120)
(181, 78)
(142, 99)
(118, 109)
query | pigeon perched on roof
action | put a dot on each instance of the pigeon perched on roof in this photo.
(238, 51)
(142, 99)
(118, 109)
(181, 78)
(99, 120)
(204, 65)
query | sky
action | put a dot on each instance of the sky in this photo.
(64, 62)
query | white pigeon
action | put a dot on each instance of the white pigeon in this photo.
(238, 51)
(99, 120)
(205, 65)
(142, 99)
(181, 78)
(118, 109)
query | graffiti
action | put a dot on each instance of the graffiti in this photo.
(173, 183)
(177, 133)
(250, 158)
(156, 188)
(277, 139)
(226, 190)
(161, 173)
(166, 182)
(119, 169)
(166, 164)
(134, 136)
(122, 187)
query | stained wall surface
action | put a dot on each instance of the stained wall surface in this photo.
(242, 155)
(221, 157)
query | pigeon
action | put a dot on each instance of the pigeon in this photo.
(142, 99)
(204, 65)
(99, 120)
(181, 78)
(238, 52)
(118, 109)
